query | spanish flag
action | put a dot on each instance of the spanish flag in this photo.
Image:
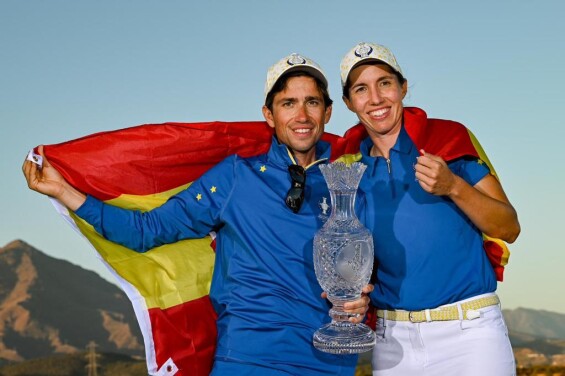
(141, 167)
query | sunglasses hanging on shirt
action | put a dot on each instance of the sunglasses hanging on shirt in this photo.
(295, 195)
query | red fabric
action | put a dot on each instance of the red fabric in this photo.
(153, 158)
(445, 138)
(371, 317)
(157, 157)
(188, 332)
(495, 254)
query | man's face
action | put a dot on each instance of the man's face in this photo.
(375, 95)
(298, 117)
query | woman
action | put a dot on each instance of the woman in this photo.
(428, 198)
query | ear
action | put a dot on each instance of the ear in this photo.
(328, 114)
(404, 88)
(347, 103)
(268, 115)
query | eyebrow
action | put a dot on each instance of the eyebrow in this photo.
(294, 99)
(387, 77)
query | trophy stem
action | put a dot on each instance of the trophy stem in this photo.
(337, 312)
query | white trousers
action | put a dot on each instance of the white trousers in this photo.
(478, 347)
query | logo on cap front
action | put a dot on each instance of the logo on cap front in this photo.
(363, 51)
(295, 59)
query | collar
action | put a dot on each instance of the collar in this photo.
(279, 154)
(403, 144)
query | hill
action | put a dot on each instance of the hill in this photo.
(50, 306)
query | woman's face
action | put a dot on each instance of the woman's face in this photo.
(376, 95)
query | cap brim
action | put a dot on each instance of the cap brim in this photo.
(305, 68)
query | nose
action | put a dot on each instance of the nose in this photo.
(301, 113)
(375, 96)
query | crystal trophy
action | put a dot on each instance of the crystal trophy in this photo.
(343, 261)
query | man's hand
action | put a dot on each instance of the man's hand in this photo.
(47, 180)
(358, 307)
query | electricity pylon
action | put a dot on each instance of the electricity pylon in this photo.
(91, 356)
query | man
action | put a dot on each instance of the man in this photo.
(429, 198)
(265, 211)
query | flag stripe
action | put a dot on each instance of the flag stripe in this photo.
(187, 334)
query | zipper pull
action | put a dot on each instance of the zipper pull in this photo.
(388, 165)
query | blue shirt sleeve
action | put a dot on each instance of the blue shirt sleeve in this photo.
(471, 170)
(192, 213)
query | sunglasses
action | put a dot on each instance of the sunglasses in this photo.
(295, 195)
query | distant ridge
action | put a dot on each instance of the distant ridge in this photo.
(537, 323)
(50, 306)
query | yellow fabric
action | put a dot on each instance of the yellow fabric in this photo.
(166, 276)
(349, 158)
(481, 152)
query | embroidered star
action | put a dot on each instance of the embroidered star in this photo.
(480, 161)
(199, 197)
(263, 168)
(213, 189)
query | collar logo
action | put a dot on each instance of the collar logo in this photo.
(363, 51)
(295, 59)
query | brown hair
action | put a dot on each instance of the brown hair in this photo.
(280, 85)
(398, 75)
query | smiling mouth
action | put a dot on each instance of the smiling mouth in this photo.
(379, 113)
(302, 130)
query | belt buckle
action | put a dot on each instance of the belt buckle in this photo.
(413, 319)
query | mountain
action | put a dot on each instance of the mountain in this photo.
(537, 336)
(537, 323)
(50, 306)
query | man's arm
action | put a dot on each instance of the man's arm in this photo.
(179, 218)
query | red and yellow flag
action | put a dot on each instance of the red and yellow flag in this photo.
(139, 168)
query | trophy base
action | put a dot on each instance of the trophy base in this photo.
(344, 338)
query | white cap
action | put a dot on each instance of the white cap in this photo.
(291, 63)
(363, 52)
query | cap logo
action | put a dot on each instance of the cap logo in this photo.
(363, 50)
(296, 59)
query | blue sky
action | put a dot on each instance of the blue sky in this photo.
(68, 69)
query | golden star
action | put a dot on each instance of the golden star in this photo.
(199, 197)
(213, 189)
(263, 168)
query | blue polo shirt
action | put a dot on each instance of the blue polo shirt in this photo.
(428, 252)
